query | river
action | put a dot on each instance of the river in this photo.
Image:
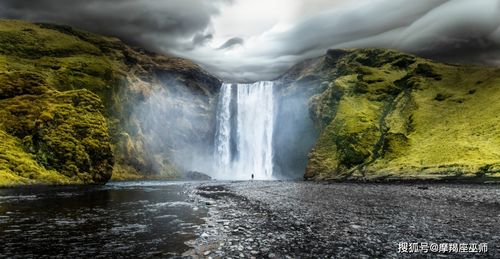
(245, 219)
(118, 219)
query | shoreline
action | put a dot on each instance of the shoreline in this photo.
(281, 219)
(464, 181)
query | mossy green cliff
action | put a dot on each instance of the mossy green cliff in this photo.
(67, 100)
(384, 115)
(72, 111)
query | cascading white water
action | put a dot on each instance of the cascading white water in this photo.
(222, 143)
(255, 130)
(253, 116)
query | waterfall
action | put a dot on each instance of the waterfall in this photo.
(222, 143)
(245, 119)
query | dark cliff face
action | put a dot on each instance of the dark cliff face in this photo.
(382, 114)
(294, 132)
(72, 107)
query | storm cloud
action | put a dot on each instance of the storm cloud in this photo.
(158, 25)
(449, 30)
(231, 43)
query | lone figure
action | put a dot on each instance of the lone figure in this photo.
(252, 177)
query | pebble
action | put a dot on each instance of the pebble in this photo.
(282, 219)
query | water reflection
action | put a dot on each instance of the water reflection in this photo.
(122, 219)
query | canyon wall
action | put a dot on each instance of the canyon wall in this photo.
(385, 115)
(75, 107)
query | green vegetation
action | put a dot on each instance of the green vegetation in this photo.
(53, 133)
(65, 132)
(38, 55)
(67, 99)
(20, 167)
(387, 116)
(66, 105)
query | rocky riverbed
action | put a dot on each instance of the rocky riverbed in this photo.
(280, 219)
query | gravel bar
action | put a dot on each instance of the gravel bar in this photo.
(287, 219)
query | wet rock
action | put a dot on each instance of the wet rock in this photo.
(311, 220)
(196, 176)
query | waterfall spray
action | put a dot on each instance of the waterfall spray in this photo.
(253, 137)
(222, 145)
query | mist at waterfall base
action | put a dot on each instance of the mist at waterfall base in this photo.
(294, 131)
(177, 129)
(261, 128)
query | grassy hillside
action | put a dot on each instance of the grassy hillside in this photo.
(388, 115)
(67, 99)
(59, 136)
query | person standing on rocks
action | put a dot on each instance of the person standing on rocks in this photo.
(252, 177)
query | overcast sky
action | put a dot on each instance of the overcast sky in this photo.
(248, 40)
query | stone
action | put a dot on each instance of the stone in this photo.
(356, 226)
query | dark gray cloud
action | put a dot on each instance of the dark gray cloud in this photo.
(448, 30)
(231, 43)
(201, 39)
(438, 28)
(154, 24)
(451, 30)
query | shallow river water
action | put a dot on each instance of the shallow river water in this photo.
(118, 219)
(245, 219)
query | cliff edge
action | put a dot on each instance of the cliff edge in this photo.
(69, 106)
(386, 115)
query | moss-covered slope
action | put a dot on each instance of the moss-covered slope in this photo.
(387, 115)
(67, 101)
(58, 136)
